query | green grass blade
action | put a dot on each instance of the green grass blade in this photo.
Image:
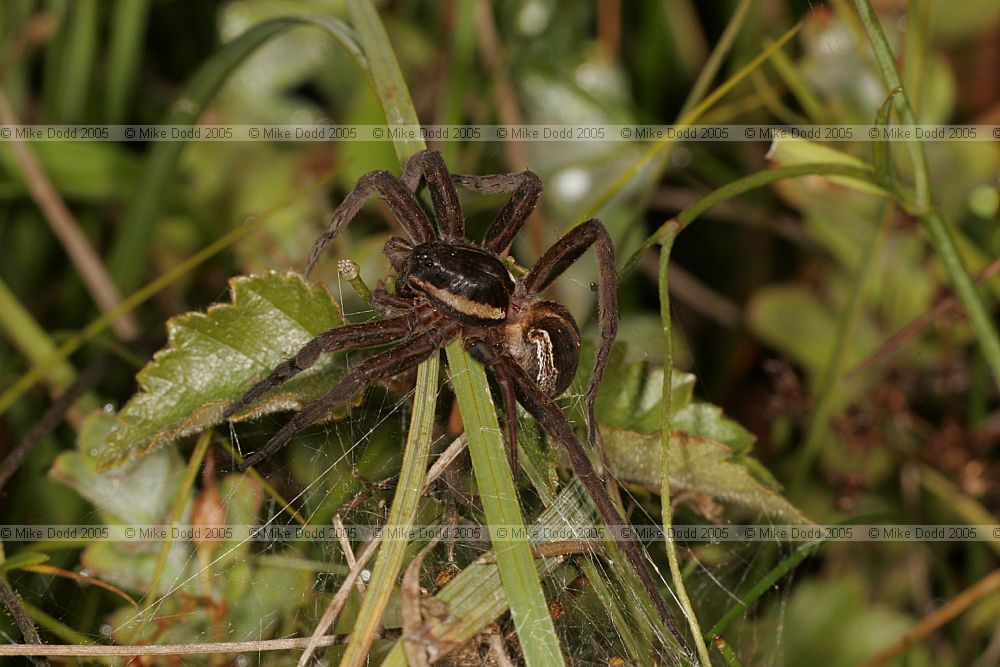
(33, 342)
(800, 90)
(517, 567)
(129, 255)
(392, 553)
(727, 651)
(718, 55)
(386, 77)
(128, 35)
(880, 148)
(535, 630)
(692, 116)
(763, 586)
(77, 62)
(390, 88)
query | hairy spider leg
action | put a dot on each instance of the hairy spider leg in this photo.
(548, 414)
(553, 263)
(525, 187)
(447, 208)
(390, 305)
(404, 207)
(373, 369)
(510, 416)
(347, 337)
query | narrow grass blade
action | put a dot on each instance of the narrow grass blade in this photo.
(516, 564)
(535, 630)
(128, 36)
(727, 651)
(392, 554)
(763, 586)
(799, 88)
(718, 55)
(696, 112)
(390, 88)
(78, 61)
(128, 258)
(23, 331)
(386, 77)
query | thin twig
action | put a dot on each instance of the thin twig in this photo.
(498, 651)
(52, 418)
(93, 651)
(609, 26)
(28, 629)
(939, 617)
(95, 276)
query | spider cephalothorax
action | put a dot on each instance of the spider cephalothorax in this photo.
(450, 288)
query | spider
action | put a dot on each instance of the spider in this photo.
(448, 288)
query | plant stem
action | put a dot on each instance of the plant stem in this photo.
(666, 428)
(741, 186)
(937, 228)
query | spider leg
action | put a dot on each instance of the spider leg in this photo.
(374, 369)
(390, 305)
(510, 413)
(557, 259)
(548, 414)
(404, 207)
(447, 208)
(525, 187)
(351, 336)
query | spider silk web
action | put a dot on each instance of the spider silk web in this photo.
(348, 466)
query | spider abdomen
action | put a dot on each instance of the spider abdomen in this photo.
(545, 341)
(468, 284)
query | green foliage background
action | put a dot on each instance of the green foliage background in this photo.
(778, 287)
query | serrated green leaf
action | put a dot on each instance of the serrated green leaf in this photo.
(212, 358)
(697, 464)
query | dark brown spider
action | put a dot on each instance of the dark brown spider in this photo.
(448, 288)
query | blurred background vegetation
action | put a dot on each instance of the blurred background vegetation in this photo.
(776, 295)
